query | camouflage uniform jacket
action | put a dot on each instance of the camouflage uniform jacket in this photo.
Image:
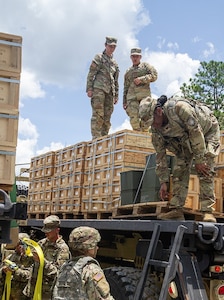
(81, 278)
(146, 73)
(55, 254)
(95, 283)
(103, 74)
(20, 276)
(192, 127)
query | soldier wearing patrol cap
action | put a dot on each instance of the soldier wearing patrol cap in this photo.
(102, 87)
(137, 81)
(83, 243)
(55, 251)
(190, 130)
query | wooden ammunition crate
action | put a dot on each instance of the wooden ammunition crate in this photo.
(128, 156)
(66, 205)
(95, 204)
(192, 201)
(220, 159)
(99, 146)
(193, 186)
(8, 129)
(10, 52)
(9, 93)
(75, 166)
(72, 179)
(218, 187)
(39, 207)
(70, 153)
(126, 138)
(40, 184)
(46, 159)
(7, 165)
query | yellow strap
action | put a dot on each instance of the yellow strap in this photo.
(7, 286)
(38, 287)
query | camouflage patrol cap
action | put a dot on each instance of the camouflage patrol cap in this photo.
(23, 235)
(84, 238)
(136, 51)
(50, 223)
(111, 41)
(146, 110)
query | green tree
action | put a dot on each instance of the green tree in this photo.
(208, 86)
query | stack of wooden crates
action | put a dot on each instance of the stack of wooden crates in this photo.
(85, 177)
(10, 72)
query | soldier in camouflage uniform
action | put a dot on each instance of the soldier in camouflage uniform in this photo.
(20, 274)
(102, 87)
(137, 87)
(189, 129)
(55, 251)
(94, 286)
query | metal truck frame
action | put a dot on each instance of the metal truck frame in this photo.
(153, 259)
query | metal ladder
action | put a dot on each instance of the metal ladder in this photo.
(170, 265)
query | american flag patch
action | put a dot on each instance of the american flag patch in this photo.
(98, 276)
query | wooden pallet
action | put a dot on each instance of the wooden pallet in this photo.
(149, 209)
(97, 215)
(37, 215)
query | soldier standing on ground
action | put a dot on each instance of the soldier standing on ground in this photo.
(190, 130)
(137, 86)
(102, 87)
(89, 282)
(55, 251)
(20, 271)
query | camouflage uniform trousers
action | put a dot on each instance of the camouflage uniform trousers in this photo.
(181, 175)
(102, 109)
(132, 111)
(17, 291)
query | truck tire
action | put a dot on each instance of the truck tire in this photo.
(123, 282)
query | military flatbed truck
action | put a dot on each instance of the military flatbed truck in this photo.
(153, 259)
(143, 258)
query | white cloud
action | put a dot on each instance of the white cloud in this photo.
(27, 129)
(172, 46)
(173, 70)
(125, 125)
(196, 39)
(53, 147)
(59, 42)
(30, 86)
(209, 51)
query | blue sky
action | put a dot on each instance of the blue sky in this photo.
(60, 38)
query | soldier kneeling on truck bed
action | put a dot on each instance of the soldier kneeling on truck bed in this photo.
(190, 130)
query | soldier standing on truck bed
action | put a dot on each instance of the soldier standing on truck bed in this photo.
(137, 86)
(102, 87)
(55, 251)
(190, 130)
(82, 278)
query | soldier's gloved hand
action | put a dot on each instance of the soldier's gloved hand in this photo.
(202, 169)
(163, 192)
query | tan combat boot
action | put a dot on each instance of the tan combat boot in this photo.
(208, 217)
(172, 214)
